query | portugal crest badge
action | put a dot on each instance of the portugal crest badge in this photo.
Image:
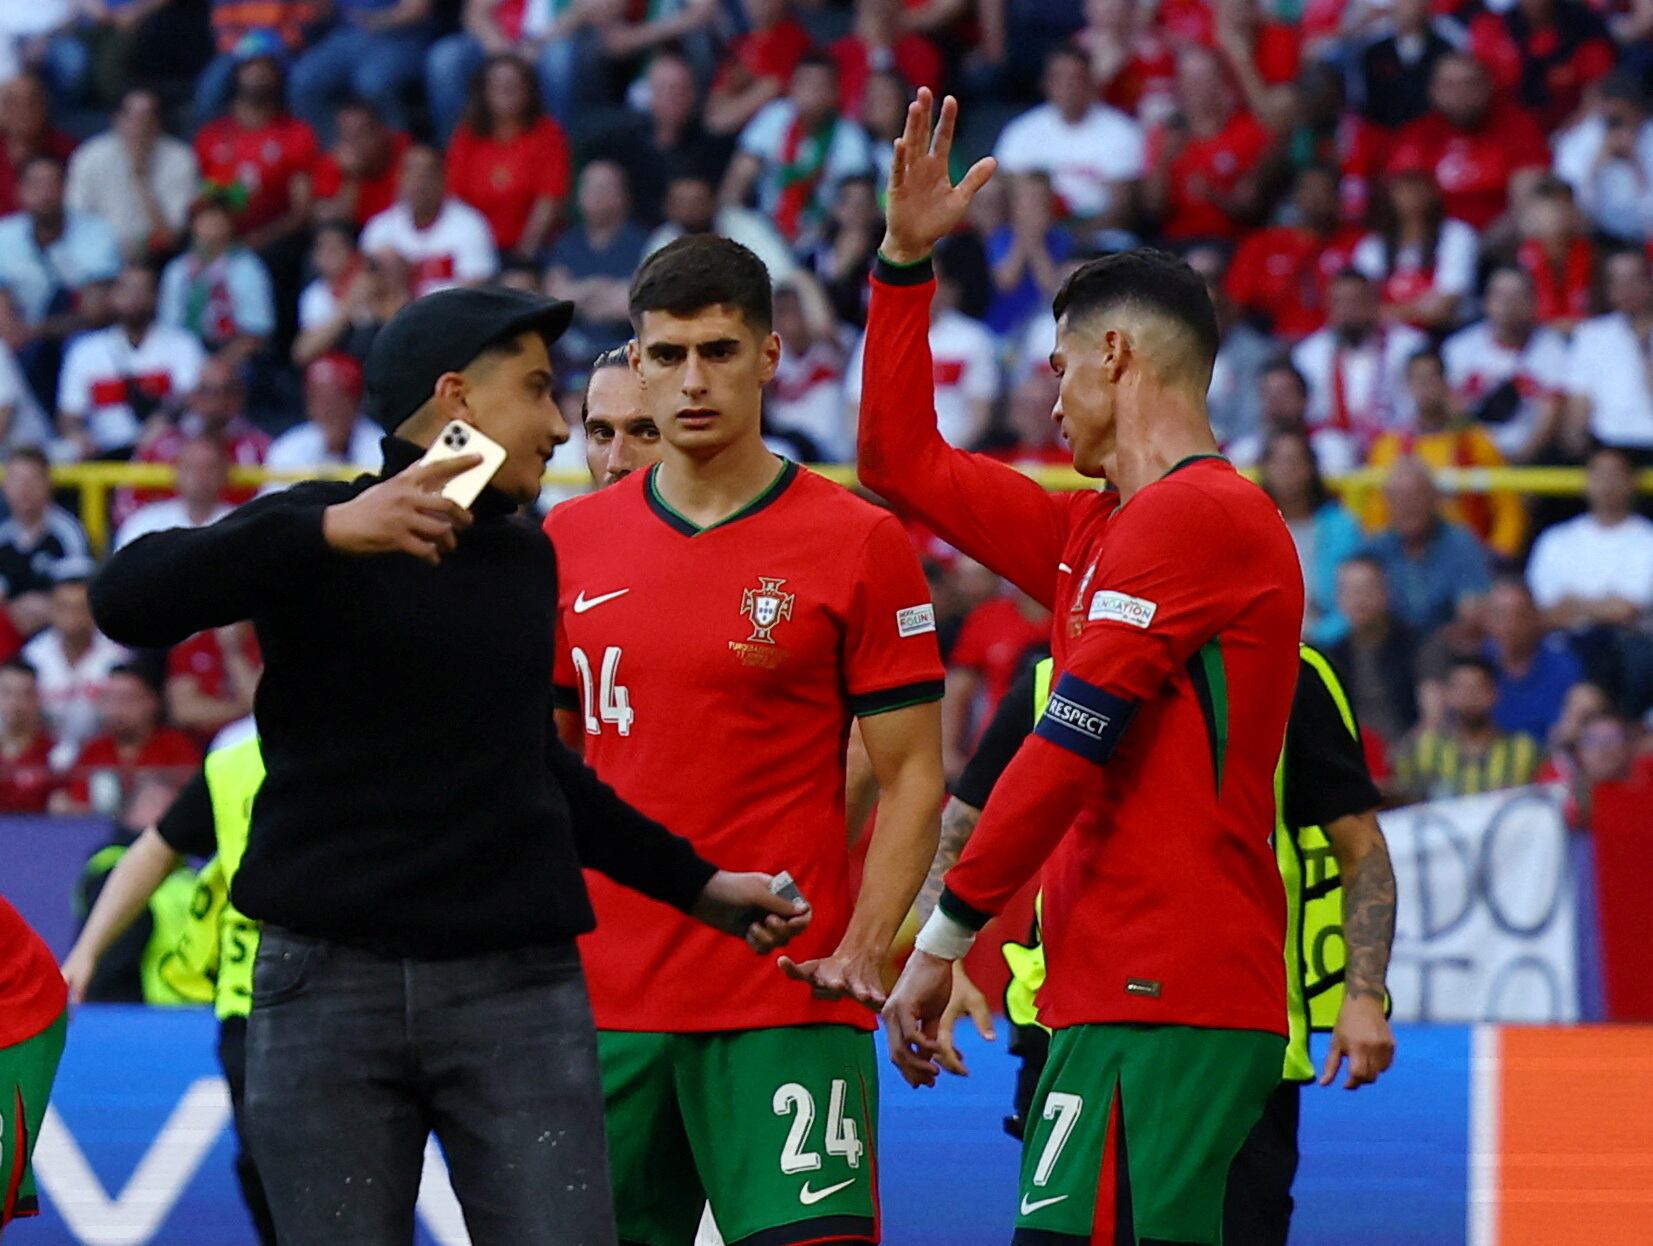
(766, 606)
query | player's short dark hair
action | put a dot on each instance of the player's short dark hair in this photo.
(1156, 281)
(699, 271)
(616, 357)
(1474, 661)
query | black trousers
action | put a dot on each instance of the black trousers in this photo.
(354, 1060)
(1257, 1208)
(232, 1058)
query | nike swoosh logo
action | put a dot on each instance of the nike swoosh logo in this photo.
(1029, 1208)
(581, 604)
(1062, 566)
(809, 1197)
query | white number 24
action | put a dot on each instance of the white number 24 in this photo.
(842, 1136)
(607, 701)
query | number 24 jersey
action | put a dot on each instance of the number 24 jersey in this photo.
(716, 671)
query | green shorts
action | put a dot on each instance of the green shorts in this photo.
(1133, 1129)
(26, 1073)
(776, 1128)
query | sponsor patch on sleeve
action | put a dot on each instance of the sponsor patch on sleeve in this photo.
(915, 620)
(1123, 608)
(1084, 719)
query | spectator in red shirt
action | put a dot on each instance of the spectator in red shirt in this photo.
(25, 132)
(508, 160)
(355, 179)
(1260, 54)
(1558, 255)
(878, 41)
(1202, 163)
(26, 778)
(1545, 52)
(261, 155)
(1281, 275)
(131, 743)
(1422, 260)
(211, 679)
(1485, 153)
(758, 66)
(997, 638)
(1130, 58)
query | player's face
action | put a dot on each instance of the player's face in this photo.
(1084, 411)
(703, 377)
(509, 397)
(620, 438)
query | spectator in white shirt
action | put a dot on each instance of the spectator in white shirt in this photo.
(1422, 260)
(1597, 569)
(796, 153)
(964, 363)
(51, 260)
(72, 660)
(22, 422)
(1507, 371)
(806, 398)
(218, 289)
(136, 177)
(1283, 400)
(203, 473)
(1607, 158)
(1093, 154)
(1610, 365)
(444, 242)
(334, 433)
(115, 379)
(1356, 365)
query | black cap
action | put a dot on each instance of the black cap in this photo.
(445, 332)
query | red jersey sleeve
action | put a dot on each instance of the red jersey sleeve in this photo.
(990, 511)
(891, 659)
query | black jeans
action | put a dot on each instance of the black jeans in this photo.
(1257, 1209)
(353, 1060)
(232, 1058)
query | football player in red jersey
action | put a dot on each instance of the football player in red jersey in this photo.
(1145, 796)
(724, 616)
(34, 1017)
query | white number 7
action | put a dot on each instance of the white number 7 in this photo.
(1064, 1109)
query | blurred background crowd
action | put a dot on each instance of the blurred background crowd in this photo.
(1426, 226)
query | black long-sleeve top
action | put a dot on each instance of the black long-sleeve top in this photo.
(417, 802)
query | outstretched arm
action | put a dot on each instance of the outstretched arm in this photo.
(990, 511)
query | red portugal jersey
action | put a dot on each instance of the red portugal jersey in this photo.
(1147, 790)
(32, 992)
(716, 671)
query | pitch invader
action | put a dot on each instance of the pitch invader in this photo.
(724, 617)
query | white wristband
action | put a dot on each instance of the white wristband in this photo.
(944, 937)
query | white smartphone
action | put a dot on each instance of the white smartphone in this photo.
(457, 440)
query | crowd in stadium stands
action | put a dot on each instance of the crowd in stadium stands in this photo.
(1426, 226)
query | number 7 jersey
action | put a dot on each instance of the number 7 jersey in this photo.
(716, 671)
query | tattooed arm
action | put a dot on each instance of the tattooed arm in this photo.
(958, 821)
(1362, 1032)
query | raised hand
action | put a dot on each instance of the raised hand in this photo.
(406, 514)
(923, 204)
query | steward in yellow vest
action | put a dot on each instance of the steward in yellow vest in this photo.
(1340, 893)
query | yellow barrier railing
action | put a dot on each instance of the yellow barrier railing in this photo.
(95, 482)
